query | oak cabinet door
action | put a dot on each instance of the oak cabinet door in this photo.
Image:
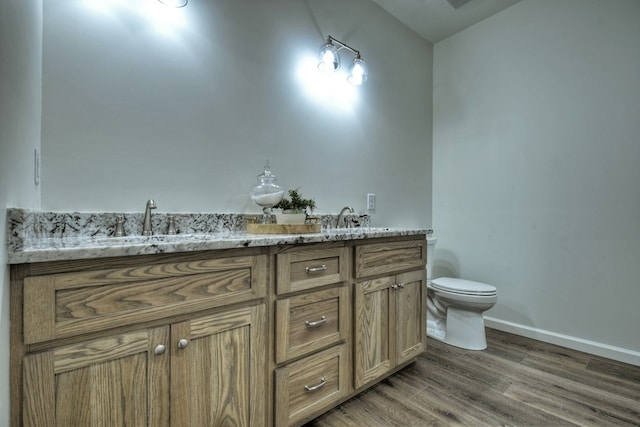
(390, 323)
(113, 381)
(374, 345)
(217, 372)
(410, 315)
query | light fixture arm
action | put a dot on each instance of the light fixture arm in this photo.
(342, 45)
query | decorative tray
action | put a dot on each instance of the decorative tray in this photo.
(283, 228)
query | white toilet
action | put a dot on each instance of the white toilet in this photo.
(455, 307)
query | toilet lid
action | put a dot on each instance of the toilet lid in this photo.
(462, 286)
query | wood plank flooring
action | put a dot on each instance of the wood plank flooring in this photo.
(516, 381)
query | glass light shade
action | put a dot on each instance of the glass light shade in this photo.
(328, 58)
(174, 3)
(358, 72)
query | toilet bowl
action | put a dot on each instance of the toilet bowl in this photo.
(455, 308)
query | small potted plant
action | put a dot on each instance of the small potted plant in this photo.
(294, 209)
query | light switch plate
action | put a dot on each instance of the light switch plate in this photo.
(371, 201)
(36, 166)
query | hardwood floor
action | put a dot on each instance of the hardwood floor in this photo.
(516, 381)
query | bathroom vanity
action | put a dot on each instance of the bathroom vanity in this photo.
(224, 329)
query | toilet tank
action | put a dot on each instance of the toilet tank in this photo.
(431, 244)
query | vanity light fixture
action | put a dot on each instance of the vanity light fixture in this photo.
(174, 3)
(329, 61)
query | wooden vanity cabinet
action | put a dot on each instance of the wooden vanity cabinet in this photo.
(269, 336)
(389, 307)
(151, 340)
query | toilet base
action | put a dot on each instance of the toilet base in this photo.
(435, 329)
(464, 329)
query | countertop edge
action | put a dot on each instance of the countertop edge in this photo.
(60, 249)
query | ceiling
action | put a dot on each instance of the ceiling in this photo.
(436, 20)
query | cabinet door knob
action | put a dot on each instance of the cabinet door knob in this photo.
(183, 343)
(316, 323)
(394, 286)
(321, 384)
(160, 349)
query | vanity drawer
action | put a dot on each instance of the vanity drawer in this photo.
(312, 321)
(75, 303)
(311, 384)
(390, 257)
(303, 268)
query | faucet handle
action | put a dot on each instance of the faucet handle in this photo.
(119, 226)
(171, 229)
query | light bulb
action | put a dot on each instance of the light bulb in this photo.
(358, 73)
(174, 3)
(329, 60)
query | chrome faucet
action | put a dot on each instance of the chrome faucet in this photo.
(147, 230)
(341, 216)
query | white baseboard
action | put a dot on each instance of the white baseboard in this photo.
(591, 347)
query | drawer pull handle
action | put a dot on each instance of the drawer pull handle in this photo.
(160, 349)
(315, 269)
(316, 323)
(183, 343)
(315, 387)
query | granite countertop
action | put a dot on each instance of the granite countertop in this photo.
(57, 249)
(41, 237)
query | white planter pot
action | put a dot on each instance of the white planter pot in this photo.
(287, 218)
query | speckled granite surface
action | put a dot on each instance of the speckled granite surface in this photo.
(34, 236)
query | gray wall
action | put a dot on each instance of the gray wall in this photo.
(20, 105)
(535, 169)
(186, 106)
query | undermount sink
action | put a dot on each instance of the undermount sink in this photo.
(360, 229)
(356, 230)
(156, 238)
(159, 239)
